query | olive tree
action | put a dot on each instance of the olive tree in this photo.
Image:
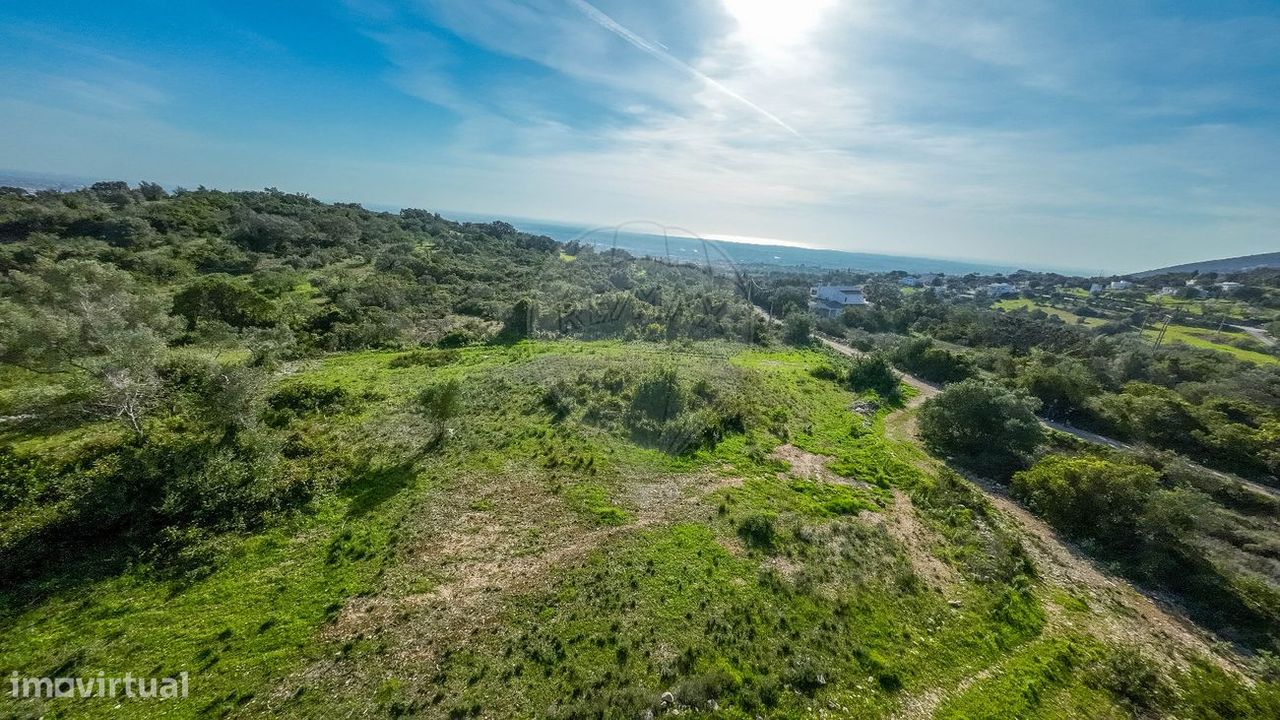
(982, 425)
(88, 321)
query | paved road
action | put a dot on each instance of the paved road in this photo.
(1258, 334)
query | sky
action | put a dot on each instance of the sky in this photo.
(1113, 135)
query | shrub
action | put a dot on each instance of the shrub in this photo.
(1128, 676)
(441, 401)
(826, 371)
(759, 529)
(918, 355)
(425, 358)
(1063, 385)
(1088, 497)
(797, 330)
(224, 299)
(873, 372)
(300, 399)
(984, 426)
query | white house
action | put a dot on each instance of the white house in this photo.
(918, 281)
(831, 300)
(1120, 285)
(1002, 289)
(1168, 290)
(1095, 288)
(1229, 287)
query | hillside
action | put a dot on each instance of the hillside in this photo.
(1225, 265)
(339, 463)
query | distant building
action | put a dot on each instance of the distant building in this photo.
(1168, 290)
(831, 300)
(1095, 288)
(1229, 287)
(1002, 289)
(1120, 285)
(918, 281)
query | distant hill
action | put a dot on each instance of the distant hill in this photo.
(1225, 265)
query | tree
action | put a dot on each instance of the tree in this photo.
(1063, 385)
(151, 191)
(221, 298)
(87, 320)
(225, 397)
(983, 425)
(798, 329)
(264, 232)
(919, 355)
(439, 403)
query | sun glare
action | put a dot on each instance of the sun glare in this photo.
(774, 24)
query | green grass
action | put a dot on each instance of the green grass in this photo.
(534, 565)
(1044, 679)
(1209, 340)
(237, 631)
(1069, 317)
(1193, 336)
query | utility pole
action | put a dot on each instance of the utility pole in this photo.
(1163, 329)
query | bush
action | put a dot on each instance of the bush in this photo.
(873, 372)
(759, 530)
(1129, 676)
(826, 371)
(425, 358)
(300, 399)
(1064, 386)
(797, 330)
(441, 401)
(982, 425)
(224, 299)
(1087, 497)
(919, 356)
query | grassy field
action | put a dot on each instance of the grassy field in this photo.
(1193, 336)
(1214, 308)
(1209, 340)
(1068, 317)
(556, 550)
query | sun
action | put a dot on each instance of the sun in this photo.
(769, 25)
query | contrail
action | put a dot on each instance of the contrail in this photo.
(613, 26)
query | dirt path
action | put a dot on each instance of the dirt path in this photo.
(927, 390)
(1114, 610)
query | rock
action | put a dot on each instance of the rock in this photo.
(646, 715)
(954, 603)
(865, 407)
(712, 705)
(668, 699)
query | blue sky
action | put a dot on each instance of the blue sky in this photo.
(1114, 135)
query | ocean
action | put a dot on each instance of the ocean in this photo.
(721, 253)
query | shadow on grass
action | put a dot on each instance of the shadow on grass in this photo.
(375, 485)
(65, 571)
